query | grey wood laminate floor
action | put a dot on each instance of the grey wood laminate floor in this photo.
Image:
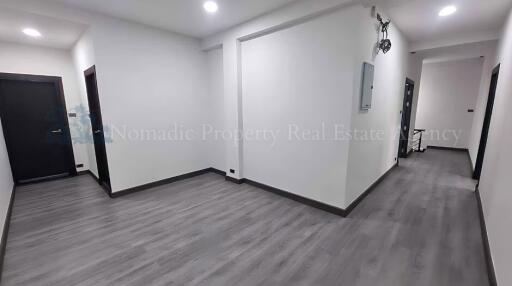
(419, 227)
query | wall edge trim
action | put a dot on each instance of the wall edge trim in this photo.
(448, 148)
(5, 231)
(301, 199)
(161, 182)
(313, 203)
(88, 172)
(466, 150)
(370, 189)
(485, 240)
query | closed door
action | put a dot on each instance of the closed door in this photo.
(406, 118)
(97, 127)
(35, 127)
(487, 124)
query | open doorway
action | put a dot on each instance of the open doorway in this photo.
(35, 127)
(406, 118)
(97, 128)
(487, 123)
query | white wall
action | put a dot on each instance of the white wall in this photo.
(6, 181)
(448, 90)
(478, 118)
(486, 49)
(280, 70)
(414, 71)
(216, 148)
(293, 81)
(495, 181)
(370, 158)
(151, 83)
(17, 58)
(83, 58)
(290, 15)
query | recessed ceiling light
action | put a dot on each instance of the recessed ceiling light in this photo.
(448, 10)
(32, 32)
(210, 6)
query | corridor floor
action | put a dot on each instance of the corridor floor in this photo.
(420, 227)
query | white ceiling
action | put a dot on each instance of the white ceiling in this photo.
(56, 33)
(419, 20)
(182, 16)
(458, 52)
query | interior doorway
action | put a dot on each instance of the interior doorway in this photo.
(487, 123)
(35, 127)
(406, 118)
(97, 128)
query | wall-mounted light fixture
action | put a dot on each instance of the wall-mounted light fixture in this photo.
(385, 43)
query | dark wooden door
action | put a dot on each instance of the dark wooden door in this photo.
(406, 118)
(97, 127)
(487, 123)
(35, 127)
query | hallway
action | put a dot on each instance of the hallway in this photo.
(419, 227)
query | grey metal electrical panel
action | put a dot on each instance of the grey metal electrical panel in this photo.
(367, 86)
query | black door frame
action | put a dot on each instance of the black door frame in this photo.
(104, 182)
(404, 138)
(487, 123)
(57, 81)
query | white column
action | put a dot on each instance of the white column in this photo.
(233, 120)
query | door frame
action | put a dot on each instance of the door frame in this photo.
(57, 81)
(105, 184)
(408, 81)
(486, 125)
